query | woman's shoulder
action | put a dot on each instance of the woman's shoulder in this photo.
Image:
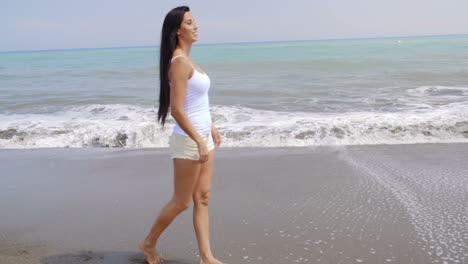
(180, 64)
(179, 58)
(180, 61)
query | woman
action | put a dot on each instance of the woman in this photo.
(184, 87)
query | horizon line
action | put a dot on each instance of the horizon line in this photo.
(233, 43)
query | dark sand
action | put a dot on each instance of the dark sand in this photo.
(348, 204)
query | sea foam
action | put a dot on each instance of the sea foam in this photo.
(119, 125)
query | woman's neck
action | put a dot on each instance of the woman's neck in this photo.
(184, 47)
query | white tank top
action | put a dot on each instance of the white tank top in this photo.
(196, 103)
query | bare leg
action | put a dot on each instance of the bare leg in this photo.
(185, 176)
(201, 195)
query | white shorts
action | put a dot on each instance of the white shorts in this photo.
(184, 147)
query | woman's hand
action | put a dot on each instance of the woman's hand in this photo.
(202, 151)
(215, 135)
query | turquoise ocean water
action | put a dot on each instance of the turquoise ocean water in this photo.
(301, 93)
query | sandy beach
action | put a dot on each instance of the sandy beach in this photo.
(333, 204)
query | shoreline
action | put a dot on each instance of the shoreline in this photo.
(232, 148)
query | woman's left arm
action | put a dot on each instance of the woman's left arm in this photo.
(215, 135)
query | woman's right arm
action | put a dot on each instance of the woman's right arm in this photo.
(179, 75)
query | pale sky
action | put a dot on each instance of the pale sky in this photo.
(67, 24)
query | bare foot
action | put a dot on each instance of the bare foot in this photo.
(150, 253)
(210, 261)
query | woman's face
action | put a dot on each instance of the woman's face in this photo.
(188, 29)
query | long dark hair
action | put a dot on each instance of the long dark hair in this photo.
(168, 44)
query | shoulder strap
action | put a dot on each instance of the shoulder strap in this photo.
(175, 57)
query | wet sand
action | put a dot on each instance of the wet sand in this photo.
(344, 204)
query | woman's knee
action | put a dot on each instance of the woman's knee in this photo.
(201, 197)
(181, 205)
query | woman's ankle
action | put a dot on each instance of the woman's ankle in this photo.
(148, 243)
(207, 256)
